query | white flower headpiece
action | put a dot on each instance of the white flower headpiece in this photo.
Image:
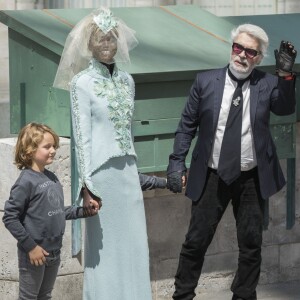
(105, 21)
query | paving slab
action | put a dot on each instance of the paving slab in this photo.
(278, 291)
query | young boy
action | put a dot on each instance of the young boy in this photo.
(35, 214)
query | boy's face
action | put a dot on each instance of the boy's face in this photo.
(44, 154)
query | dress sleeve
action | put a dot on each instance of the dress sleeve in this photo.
(82, 131)
(148, 182)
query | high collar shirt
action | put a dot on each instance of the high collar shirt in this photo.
(248, 156)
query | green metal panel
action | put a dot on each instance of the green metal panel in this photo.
(169, 41)
(33, 69)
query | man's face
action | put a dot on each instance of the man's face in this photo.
(103, 46)
(241, 62)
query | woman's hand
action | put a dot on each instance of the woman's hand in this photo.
(91, 205)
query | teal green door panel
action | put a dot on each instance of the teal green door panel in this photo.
(153, 152)
(284, 136)
(34, 68)
(162, 108)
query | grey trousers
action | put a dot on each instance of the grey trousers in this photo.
(37, 282)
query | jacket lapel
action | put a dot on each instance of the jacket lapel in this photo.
(254, 94)
(219, 88)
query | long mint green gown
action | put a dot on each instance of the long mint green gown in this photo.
(116, 250)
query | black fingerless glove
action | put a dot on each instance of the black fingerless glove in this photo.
(285, 57)
(174, 181)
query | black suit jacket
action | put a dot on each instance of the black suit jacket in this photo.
(268, 93)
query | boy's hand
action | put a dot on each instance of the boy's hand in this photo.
(37, 256)
(95, 205)
(91, 206)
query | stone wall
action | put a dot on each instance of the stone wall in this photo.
(167, 220)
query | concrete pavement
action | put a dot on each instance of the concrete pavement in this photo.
(278, 291)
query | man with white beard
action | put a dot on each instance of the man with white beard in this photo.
(234, 158)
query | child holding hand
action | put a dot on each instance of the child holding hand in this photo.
(35, 213)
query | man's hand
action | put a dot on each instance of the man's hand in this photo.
(37, 256)
(176, 181)
(285, 57)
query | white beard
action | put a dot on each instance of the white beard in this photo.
(237, 73)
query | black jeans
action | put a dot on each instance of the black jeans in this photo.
(205, 216)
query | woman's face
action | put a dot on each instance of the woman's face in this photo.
(103, 46)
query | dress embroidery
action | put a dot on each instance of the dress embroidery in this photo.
(117, 91)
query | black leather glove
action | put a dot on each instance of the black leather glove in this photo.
(285, 57)
(174, 181)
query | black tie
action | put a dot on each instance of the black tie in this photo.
(229, 168)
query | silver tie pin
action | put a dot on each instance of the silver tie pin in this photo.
(236, 101)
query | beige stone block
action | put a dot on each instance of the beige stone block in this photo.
(214, 281)
(62, 167)
(25, 4)
(164, 289)
(9, 172)
(221, 263)
(8, 255)
(9, 290)
(167, 220)
(68, 287)
(225, 239)
(7, 4)
(290, 262)
(164, 269)
(270, 265)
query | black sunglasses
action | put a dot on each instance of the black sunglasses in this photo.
(250, 53)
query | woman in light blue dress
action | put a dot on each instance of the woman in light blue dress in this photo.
(102, 103)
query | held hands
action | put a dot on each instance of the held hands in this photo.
(37, 256)
(91, 206)
(176, 181)
(285, 57)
